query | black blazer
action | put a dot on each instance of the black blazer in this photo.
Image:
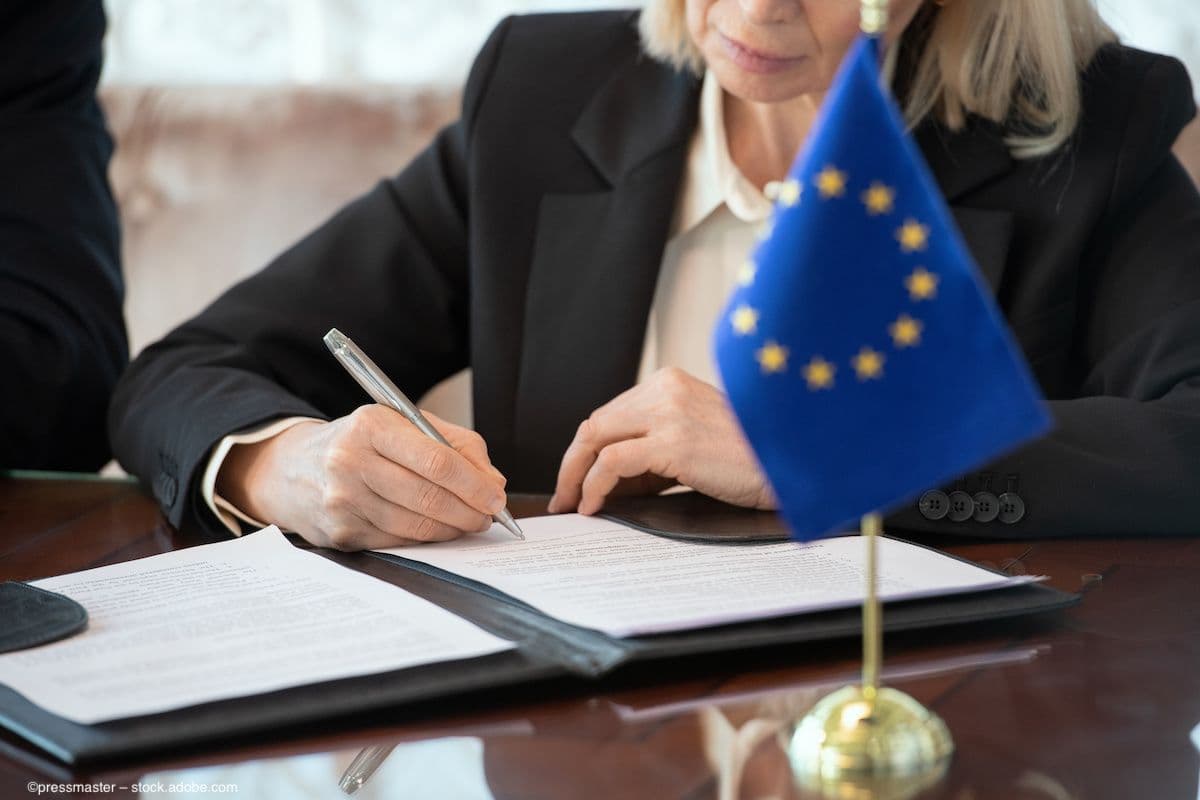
(62, 338)
(526, 240)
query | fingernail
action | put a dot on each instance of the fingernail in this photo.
(552, 506)
(496, 505)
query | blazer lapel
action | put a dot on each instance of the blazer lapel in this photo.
(987, 235)
(596, 258)
(962, 162)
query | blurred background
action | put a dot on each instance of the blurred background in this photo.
(241, 124)
(349, 42)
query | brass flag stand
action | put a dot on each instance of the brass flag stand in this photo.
(869, 741)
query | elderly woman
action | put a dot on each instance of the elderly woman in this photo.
(573, 236)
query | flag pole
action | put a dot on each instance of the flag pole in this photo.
(872, 526)
(869, 740)
(873, 21)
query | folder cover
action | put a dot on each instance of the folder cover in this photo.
(547, 650)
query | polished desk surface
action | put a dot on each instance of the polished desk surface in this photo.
(1095, 702)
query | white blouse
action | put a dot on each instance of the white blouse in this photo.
(716, 223)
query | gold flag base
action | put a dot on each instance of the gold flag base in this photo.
(877, 743)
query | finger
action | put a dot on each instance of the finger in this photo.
(401, 488)
(636, 411)
(477, 455)
(439, 464)
(638, 486)
(404, 525)
(628, 459)
(469, 443)
(576, 461)
(630, 415)
(622, 418)
(351, 532)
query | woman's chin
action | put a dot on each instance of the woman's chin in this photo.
(756, 88)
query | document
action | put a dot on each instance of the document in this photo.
(237, 618)
(600, 574)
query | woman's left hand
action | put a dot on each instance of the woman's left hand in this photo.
(671, 429)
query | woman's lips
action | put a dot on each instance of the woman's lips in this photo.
(755, 61)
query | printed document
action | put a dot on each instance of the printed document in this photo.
(236, 618)
(600, 574)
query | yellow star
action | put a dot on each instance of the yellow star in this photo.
(879, 199)
(906, 331)
(913, 236)
(831, 182)
(922, 284)
(788, 192)
(745, 275)
(772, 358)
(868, 364)
(745, 320)
(819, 374)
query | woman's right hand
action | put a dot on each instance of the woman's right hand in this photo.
(367, 480)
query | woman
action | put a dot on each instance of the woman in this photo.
(574, 234)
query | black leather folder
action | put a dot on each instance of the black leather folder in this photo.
(547, 649)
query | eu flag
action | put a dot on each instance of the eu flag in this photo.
(862, 353)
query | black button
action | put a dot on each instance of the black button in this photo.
(1012, 508)
(987, 506)
(934, 504)
(961, 507)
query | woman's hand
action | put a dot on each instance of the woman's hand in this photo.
(671, 429)
(367, 480)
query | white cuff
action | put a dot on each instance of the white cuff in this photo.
(227, 512)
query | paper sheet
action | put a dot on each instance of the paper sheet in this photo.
(603, 575)
(242, 617)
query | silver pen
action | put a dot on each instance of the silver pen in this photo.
(363, 767)
(382, 390)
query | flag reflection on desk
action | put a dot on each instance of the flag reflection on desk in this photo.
(861, 352)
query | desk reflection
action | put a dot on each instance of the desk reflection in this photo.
(445, 769)
(728, 746)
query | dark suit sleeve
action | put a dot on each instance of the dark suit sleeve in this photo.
(1124, 458)
(389, 270)
(62, 338)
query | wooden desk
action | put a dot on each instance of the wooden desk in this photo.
(1096, 702)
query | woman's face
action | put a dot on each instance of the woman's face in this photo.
(767, 51)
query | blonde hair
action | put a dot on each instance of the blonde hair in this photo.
(1015, 62)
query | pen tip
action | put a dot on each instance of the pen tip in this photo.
(505, 518)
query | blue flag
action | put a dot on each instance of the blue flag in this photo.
(862, 353)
